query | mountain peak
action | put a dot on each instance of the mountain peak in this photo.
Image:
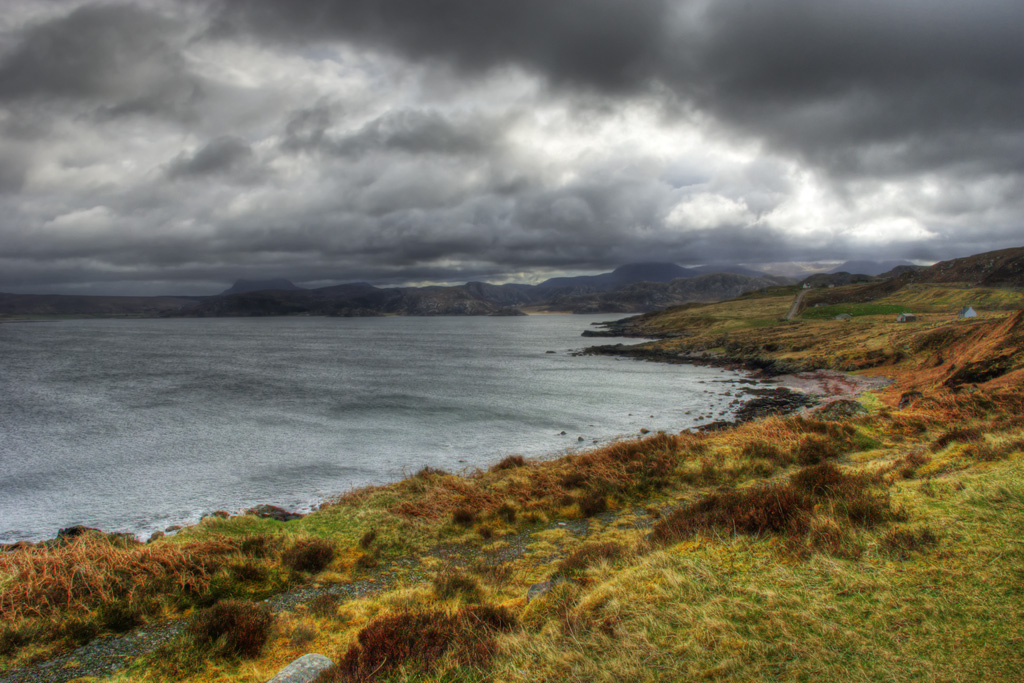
(241, 286)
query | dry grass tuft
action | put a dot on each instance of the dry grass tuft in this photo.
(590, 554)
(450, 584)
(956, 435)
(89, 573)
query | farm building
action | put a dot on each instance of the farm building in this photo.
(967, 312)
(906, 318)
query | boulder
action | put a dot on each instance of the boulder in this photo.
(273, 512)
(305, 669)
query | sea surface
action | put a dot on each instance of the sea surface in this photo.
(135, 425)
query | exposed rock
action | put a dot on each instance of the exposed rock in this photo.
(76, 531)
(305, 669)
(778, 401)
(539, 589)
(156, 535)
(273, 512)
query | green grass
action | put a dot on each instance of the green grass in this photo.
(856, 310)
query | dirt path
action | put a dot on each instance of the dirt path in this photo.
(795, 308)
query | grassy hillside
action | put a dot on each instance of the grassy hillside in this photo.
(872, 540)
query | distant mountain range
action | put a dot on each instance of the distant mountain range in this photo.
(996, 269)
(631, 288)
(870, 267)
(638, 287)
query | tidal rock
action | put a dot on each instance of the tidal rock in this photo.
(273, 512)
(76, 531)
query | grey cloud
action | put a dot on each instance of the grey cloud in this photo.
(409, 131)
(219, 156)
(121, 57)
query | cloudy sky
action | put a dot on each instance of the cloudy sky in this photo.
(172, 146)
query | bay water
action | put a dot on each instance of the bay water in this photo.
(135, 425)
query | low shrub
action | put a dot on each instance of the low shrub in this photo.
(367, 539)
(813, 449)
(424, 638)
(770, 508)
(232, 627)
(463, 516)
(248, 571)
(509, 463)
(324, 605)
(256, 546)
(310, 555)
(900, 542)
(592, 502)
(780, 507)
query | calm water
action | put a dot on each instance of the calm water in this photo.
(137, 425)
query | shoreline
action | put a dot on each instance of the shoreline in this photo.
(760, 395)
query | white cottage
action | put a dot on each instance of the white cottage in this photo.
(967, 312)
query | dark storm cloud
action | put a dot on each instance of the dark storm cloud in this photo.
(830, 81)
(604, 42)
(219, 156)
(119, 56)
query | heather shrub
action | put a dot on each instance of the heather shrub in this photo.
(463, 516)
(592, 502)
(308, 555)
(813, 449)
(367, 539)
(509, 463)
(232, 627)
(423, 639)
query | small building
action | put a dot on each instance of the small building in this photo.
(967, 312)
(906, 318)
(844, 316)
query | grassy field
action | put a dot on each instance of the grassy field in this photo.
(881, 542)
